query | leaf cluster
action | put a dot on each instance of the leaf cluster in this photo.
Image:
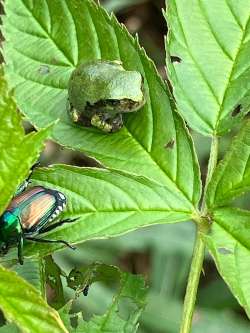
(150, 172)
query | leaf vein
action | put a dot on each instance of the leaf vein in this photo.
(194, 60)
(231, 75)
(206, 17)
(49, 35)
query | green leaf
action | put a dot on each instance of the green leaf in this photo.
(232, 176)
(32, 272)
(107, 203)
(118, 5)
(22, 304)
(210, 76)
(54, 282)
(42, 49)
(130, 287)
(9, 328)
(80, 278)
(18, 152)
(229, 244)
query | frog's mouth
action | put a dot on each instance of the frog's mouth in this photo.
(114, 106)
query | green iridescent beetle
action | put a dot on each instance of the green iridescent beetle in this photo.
(100, 91)
(28, 214)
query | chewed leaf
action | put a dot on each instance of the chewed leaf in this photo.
(130, 287)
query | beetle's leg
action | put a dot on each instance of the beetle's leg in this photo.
(25, 184)
(35, 165)
(55, 225)
(42, 240)
(20, 250)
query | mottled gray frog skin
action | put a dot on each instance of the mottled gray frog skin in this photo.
(100, 91)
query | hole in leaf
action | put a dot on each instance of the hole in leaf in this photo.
(170, 144)
(175, 59)
(44, 69)
(224, 250)
(86, 290)
(236, 110)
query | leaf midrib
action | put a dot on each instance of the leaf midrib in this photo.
(107, 210)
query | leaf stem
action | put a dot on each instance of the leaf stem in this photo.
(199, 248)
(193, 282)
(210, 170)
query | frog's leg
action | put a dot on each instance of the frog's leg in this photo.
(106, 123)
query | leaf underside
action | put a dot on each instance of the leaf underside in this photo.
(232, 175)
(22, 304)
(229, 244)
(208, 62)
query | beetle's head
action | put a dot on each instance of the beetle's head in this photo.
(3, 248)
(8, 221)
(9, 230)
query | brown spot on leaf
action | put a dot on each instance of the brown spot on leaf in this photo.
(170, 144)
(236, 110)
(175, 59)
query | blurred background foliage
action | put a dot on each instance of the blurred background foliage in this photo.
(161, 253)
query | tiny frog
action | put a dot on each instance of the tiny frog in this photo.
(100, 91)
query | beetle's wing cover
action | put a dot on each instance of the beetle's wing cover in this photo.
(37, 206)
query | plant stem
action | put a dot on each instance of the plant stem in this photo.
(199, 248)
(193, 282)
(210, 170)
(41, 264)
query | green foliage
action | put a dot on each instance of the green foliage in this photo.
(211, 40)
(150, 173)
(53, 275)
(230, 247)
(18, 152)
(22, 304)
(41, 73)
(232, 176)
(130, 287)
(32, 271)
(122, 203)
